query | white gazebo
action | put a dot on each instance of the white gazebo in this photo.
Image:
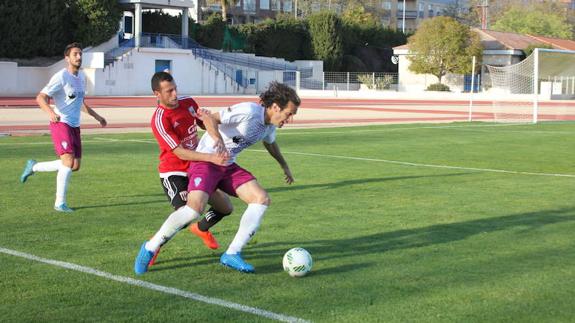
(139, 5)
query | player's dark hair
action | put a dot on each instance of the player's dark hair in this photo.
(158, 78)
(279, 94)
(69, 47)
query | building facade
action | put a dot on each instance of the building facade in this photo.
(390, 12)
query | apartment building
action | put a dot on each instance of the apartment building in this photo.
(390, 12)
(407, 14)
(248, 11)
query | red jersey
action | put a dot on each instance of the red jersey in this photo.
(173, 128)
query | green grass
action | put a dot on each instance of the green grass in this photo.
(391, 242)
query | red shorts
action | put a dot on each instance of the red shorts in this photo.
(66, 139)
(208, 177)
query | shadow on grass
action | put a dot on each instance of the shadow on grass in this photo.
(118, 204)
(271, 253)
(356, 182)
(411, 238)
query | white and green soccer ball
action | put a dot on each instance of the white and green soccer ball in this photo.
(297, 262)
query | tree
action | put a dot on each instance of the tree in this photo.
(96, 20)
(325, 29)
(442, 45)
(355, 14)
(530, 20)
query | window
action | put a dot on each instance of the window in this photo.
(386, 5)
(399, 5)
(163, 65)
(265, 4)
(128, 21)
(250, 5)
(275, 4)
(288, 7)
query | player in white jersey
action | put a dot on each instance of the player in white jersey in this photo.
(240, 126)
(67, 88)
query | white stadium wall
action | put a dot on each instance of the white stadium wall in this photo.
(131, 74)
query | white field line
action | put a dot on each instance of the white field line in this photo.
(155, 287)
(489, 170)
(289, 131)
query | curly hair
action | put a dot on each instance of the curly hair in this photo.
(279, 94)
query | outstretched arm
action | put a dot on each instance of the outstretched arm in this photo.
(94, 114)
(274, 150)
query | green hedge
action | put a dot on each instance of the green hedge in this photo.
(44, 28)
(287, 38)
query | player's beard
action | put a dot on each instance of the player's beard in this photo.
(78, 64)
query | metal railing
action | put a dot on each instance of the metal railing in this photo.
(350, 81)
(247, 60)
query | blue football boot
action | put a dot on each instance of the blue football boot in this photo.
(27, 170)
(236, 262)
(143, 260)
(63, 208)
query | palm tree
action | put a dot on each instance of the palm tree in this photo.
(225, 4)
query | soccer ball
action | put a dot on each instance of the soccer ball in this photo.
(297, 262)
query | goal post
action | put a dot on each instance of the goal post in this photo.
(547, 75)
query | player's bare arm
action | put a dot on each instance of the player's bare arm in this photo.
(191, 155)
(211, 126)
(94, 114)
(43, 101)
(274, 150)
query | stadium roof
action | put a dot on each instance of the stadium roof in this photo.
(498, 40)
(505, 40)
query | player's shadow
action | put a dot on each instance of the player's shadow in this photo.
(404, 239)
(360, 181)
(119, 204)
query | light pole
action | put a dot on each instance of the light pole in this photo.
(295, 7)
(403, 22)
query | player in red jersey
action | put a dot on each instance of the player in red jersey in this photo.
(174, 125)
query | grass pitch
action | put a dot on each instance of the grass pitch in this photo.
(432, 223)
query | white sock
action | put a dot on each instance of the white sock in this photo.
(62, 180)
(50, 166)
(178, 220)
(249, 224)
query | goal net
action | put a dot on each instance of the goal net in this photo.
(539, 88)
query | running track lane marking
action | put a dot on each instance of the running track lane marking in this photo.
(155, 287)
(489, 170)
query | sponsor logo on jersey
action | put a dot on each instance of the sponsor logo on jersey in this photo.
(64, 144)
(192, 129)
(238, 139)
(197, 181)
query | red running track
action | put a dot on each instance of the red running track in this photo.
(149, 101)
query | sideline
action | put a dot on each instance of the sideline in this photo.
(159, 288)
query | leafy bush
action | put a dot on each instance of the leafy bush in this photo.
(286, 37)
(438, 87)
(44, 28)
(381, 82)
(531, 48)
